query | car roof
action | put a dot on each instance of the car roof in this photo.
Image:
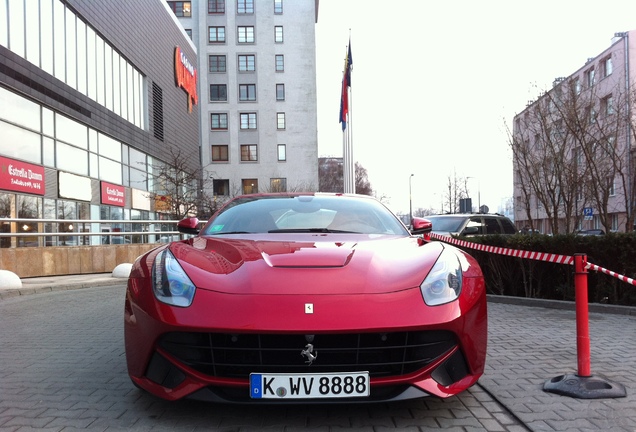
(461, 215)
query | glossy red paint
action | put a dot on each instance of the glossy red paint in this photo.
(261, 284)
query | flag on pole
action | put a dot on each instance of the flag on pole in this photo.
(344, 103)
(344, 93)
(349, 65)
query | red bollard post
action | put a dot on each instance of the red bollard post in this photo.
(582, 316)
(582, 384)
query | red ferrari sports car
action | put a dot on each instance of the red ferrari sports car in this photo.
(305, 297)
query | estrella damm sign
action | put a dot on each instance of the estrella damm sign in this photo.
(185, 76)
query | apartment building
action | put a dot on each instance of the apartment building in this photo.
(257, 86)
(573, 148)
(90, 104)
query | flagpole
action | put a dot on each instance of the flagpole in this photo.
(352, 164)
(348, 165)
(352, 169)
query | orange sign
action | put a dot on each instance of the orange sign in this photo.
(186, 76)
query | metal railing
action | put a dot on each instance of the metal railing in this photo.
(24, 232)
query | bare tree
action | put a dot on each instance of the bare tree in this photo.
(363, 186)
(456, 190)
(567, 153)
(331, 178)
(177, 187)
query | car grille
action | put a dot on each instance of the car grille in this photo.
(238, 355)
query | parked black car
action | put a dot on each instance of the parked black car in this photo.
(471, 224)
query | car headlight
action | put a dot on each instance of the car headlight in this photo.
(170, 284)
(444, 282)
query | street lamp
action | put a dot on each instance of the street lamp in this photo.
(478, 194)
(410, 201)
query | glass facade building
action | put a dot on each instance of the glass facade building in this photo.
(90, 106)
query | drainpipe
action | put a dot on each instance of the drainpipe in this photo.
(628, 140)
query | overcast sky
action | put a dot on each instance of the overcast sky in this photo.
(435, 83)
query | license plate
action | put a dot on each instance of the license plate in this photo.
(309, 386)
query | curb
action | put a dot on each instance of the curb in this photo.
(562, 304)
(68, 286)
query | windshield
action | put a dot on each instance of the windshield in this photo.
(446, 223)
(305, 213)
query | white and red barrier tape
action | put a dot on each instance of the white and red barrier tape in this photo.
(539, 256)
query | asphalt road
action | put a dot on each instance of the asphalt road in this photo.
(62, 368)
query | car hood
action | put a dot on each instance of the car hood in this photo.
(327, 264)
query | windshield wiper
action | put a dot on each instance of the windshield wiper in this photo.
(232, 232)
(309, 230)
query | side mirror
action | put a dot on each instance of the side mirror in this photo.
(470, 230)
(188, 226)
(421, 226)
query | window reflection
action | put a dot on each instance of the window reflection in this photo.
(108, 77)
(32, 32)
(29, 148)
(59, 55)
(16, 29)
(19, 110)
(99, 57)
(49, 35)
(4, 35)
(81, 56)
(71, 159)
(71, 131)
(110, 171)
(91, 90)
(71, 50)
(109, 147)
(28, 207)
(5, 212)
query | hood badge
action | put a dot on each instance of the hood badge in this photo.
(309, 353)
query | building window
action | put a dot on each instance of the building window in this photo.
(246, 34)
(181, 8)
(278, 34)
(282, 152)
(247, 63)
(607, 104)
(578, 156)
(250, 186)
(218, 121)
(221, 187)
(219, 153)
(589, 77)
(278, 7)
(280, 92)
(216, 6)
(189, 33)
(614, 221)
(216, 34)
(248, 120)
(607, 67)
(280, 120)
(245, 6)
(577, 86)
(218, 92)
(278, 185)
(249, 153)
(247, 92)
(217, 63)
(280, 63)
(611, 186)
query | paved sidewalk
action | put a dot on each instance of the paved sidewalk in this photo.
(530, 342)
(60, 283)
